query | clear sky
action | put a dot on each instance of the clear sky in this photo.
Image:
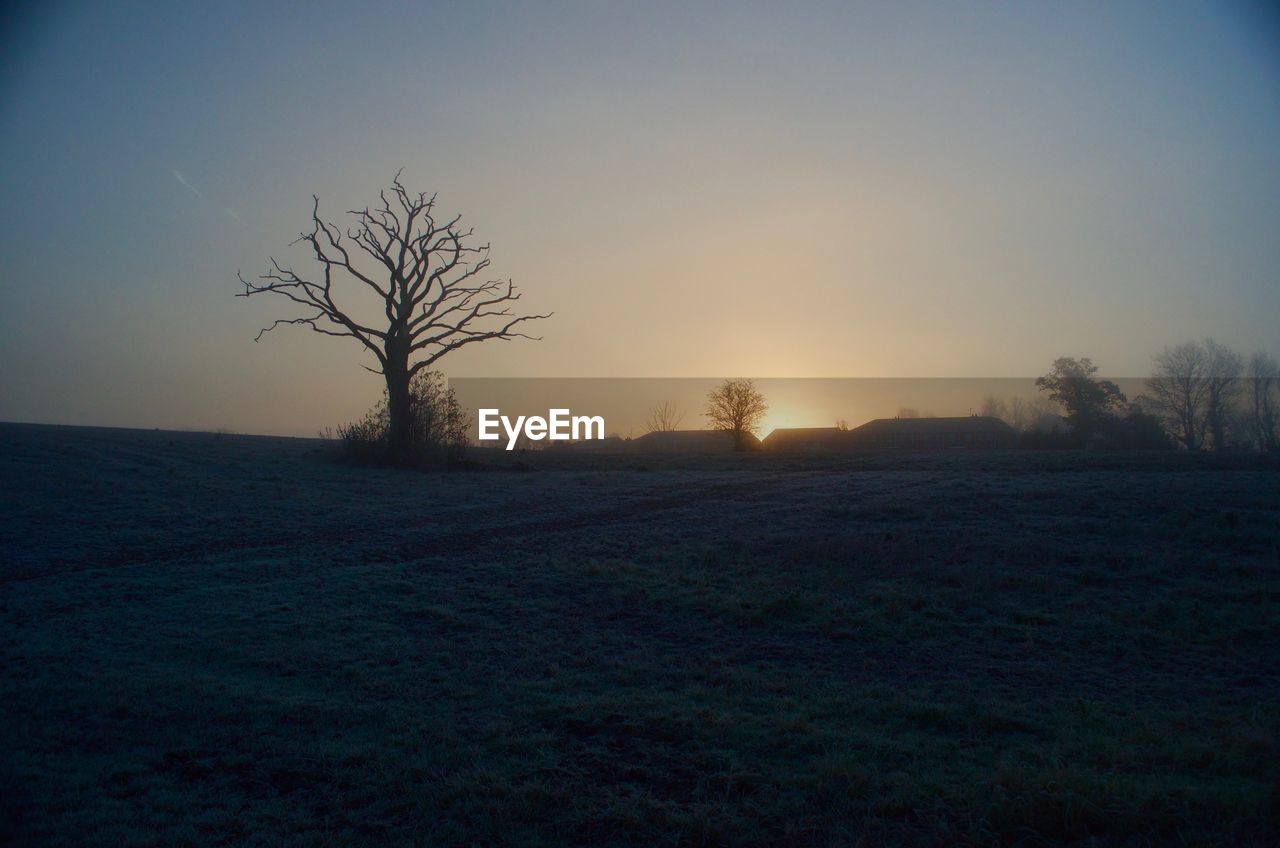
(889, 189)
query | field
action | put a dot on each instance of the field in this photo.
(231, 640)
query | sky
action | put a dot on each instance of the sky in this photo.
(694, 189)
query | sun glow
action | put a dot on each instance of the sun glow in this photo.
(776, 419)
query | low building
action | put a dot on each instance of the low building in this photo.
(612, 443)
(973, 431)
(688, 441)
(808, 439)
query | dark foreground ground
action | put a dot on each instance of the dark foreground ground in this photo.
(232, 641)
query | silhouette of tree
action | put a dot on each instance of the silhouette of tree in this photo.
(1177, 391)
(663, 418)
(1088, 401)
(1264, 384)
(1223, 367)
(420, 271)
(736, 407)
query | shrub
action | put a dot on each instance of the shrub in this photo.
(1139, 430)
(438, 431)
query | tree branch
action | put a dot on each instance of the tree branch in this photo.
(424, 283)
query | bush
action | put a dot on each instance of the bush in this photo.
(438, 431)
(1139, 431)
(1134, 430)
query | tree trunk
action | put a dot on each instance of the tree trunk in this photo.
(1189, 434)
(1217, 430)
(399, 405)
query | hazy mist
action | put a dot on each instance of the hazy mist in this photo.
(733, 189)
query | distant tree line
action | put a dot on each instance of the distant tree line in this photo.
(1200, 396)
(1209, 398)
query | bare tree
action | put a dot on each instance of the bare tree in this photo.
(994, 406)
(421, 271)
(1177, 391)
(908, 412)
(736, 407)
(1033, 414)
(663, 418)
(1223, 369)
(1264, 409)
(1017, 413)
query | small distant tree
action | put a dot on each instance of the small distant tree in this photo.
(1017, 413)
(663, 418)
(1088, 401)
(1264, 407)
(994, 406)
(736, 407)
(842, 424)
(908, 412)
(1027, 414)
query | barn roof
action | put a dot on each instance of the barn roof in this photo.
(792, 435)
(961, 424)
(687, 440)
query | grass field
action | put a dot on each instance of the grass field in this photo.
(231, 640)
